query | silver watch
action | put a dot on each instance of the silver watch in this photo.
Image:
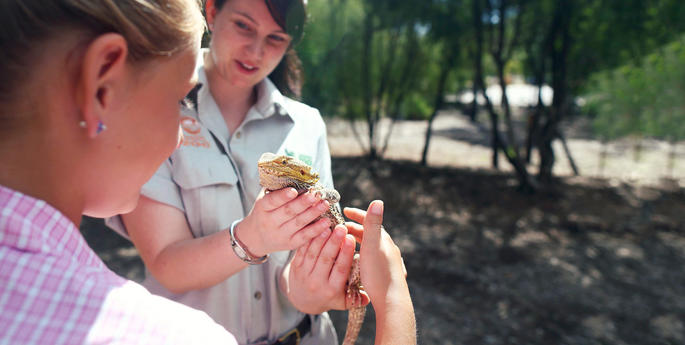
(241, 250)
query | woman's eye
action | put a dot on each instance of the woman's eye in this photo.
(277, 39)
(242, 25)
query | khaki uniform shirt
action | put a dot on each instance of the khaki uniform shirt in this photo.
(215, 186)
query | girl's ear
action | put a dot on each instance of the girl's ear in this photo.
(102, 80)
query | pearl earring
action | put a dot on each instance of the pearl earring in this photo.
(101, 126)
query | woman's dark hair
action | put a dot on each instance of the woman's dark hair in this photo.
(290, 15)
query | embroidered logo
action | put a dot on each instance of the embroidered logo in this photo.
(305, 158)
(190, 125)
(192, 136)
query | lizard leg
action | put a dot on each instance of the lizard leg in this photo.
(330, 195)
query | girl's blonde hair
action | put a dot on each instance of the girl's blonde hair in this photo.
(152, 28)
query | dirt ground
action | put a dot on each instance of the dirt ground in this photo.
(593, 260)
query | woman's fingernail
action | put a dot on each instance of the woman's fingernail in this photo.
(376, 207)
(324, 234)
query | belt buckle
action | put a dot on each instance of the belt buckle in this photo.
(295, 331)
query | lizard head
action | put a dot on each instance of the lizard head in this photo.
(286, 167)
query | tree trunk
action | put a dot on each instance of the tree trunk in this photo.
(534, 120)
(671, 159)
(473, 111)
(437, 103)
(479, 79)
(559, 54)
(637, 150)
(366, 78)
(500, 62)
(511, 137)
(603, 158)
(571, 161)
(406, 79)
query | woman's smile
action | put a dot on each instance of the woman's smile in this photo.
(246, 68)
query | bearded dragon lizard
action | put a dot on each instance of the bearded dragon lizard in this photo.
(276, 172)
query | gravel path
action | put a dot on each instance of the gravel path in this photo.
(458, 143)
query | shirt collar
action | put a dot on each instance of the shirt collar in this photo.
(208, 111)
(270, 101)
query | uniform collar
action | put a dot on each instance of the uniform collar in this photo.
(208, 111)
(270, 101)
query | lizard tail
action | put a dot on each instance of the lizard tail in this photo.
(355, 317)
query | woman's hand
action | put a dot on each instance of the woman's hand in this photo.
(280, 220)
(316, 279)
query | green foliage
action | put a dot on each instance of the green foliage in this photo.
(647, 99)
(405, 57)
(616, 57)
(416, 108)
(329, 55)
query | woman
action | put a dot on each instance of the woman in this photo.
(73, 122)
(83, 127)
(209, 188)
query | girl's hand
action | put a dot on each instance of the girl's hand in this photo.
(384, 277)
(280, 220)
(383, 273)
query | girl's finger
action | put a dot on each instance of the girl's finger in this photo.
(373, 223)
(355, 214)
(355, 230)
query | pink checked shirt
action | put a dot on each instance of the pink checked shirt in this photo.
(55, 290)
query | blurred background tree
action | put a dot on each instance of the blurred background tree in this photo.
(372, 59)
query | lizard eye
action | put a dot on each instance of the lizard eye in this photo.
(284, 162)
(302, 172)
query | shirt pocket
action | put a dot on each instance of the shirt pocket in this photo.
(209, 190)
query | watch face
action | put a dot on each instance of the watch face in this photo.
(239, 251)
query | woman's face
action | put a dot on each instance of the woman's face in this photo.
(247, 44)
(143, 132)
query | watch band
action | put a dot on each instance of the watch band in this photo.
(241, 250)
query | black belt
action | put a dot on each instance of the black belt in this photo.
(295, 335)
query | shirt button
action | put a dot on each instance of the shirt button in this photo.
(238, 135)
(258, 295)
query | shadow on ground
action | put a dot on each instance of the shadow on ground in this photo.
(582, 263)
